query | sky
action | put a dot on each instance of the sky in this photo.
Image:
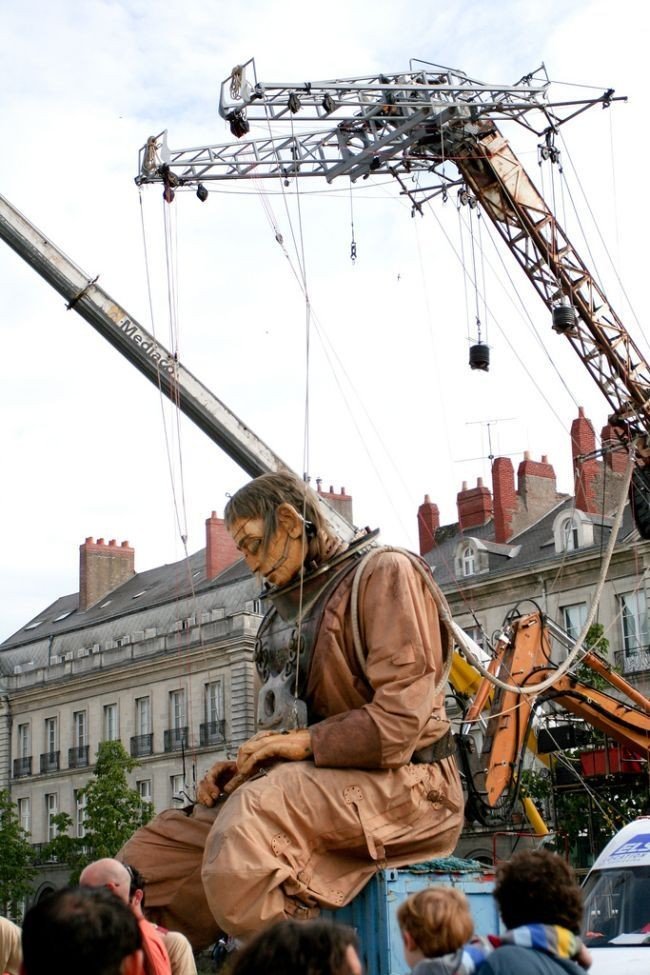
(394, 412)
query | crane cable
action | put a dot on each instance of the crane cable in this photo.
(522, 362)
(171, 261)
(302, 279)
(166, 432)
(172, 297)
(599, 231)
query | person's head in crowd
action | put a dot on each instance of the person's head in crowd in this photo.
(538, 887)
(136, 890)
(300, 948)
(434, 922)
(81, 931)
(108, 873)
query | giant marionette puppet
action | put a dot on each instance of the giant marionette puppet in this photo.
(353, 770)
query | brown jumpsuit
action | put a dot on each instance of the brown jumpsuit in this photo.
(312, 833)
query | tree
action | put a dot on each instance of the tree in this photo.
(16, 861)
(113, 811)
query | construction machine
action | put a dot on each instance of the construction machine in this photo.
(434, 129)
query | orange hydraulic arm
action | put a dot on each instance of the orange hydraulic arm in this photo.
(526, 662)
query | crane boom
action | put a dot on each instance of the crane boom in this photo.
(508, 196)
(143, 350)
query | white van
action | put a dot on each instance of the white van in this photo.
(617, 904)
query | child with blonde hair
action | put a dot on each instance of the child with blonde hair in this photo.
(436, 924)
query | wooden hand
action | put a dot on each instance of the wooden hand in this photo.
(214, 782)
(270, 746)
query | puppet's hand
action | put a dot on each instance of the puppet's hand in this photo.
(290, 746)
(214, 782)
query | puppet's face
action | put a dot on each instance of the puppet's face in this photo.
(281, 558)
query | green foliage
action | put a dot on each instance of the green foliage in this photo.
(590, 815)
(16, 862)
(113, 812)
(596, 641)
(65, 848)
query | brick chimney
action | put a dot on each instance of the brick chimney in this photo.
(220, 550)
(340, 501)
(428, 524)
(583, 441)
(536, 483)
(505, 498)
(615, 460)
(474, 505)
(102, 568)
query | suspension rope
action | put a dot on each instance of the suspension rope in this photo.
(171, 264)
(600, 237)
(353, 243)
(462, 261)
(474, 275)
(520, 359)
(301, 275)
(171, 250)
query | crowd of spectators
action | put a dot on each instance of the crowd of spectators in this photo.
(99, 928)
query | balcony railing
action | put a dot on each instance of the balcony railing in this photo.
(78, 756)
(175, 738)
(633, 661)
(213, 732)
(22, 767)
(50, 762)
(142, 745)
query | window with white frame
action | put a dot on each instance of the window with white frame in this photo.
(213, 701)
(574, 618)
(570, 536)
(25, 814)
(51, 735)
(80, 804)
(144, 790)
(468, 560)
(79, 729)
(177, 787)
(177, 709)
(24, 741)
(634, 621)
(111, 724)
(51, 810)
(143, 715)
(572, 530)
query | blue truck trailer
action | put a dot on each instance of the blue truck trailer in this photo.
(373, 912)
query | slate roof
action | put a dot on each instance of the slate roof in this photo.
(531, 548)
(154, 599)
